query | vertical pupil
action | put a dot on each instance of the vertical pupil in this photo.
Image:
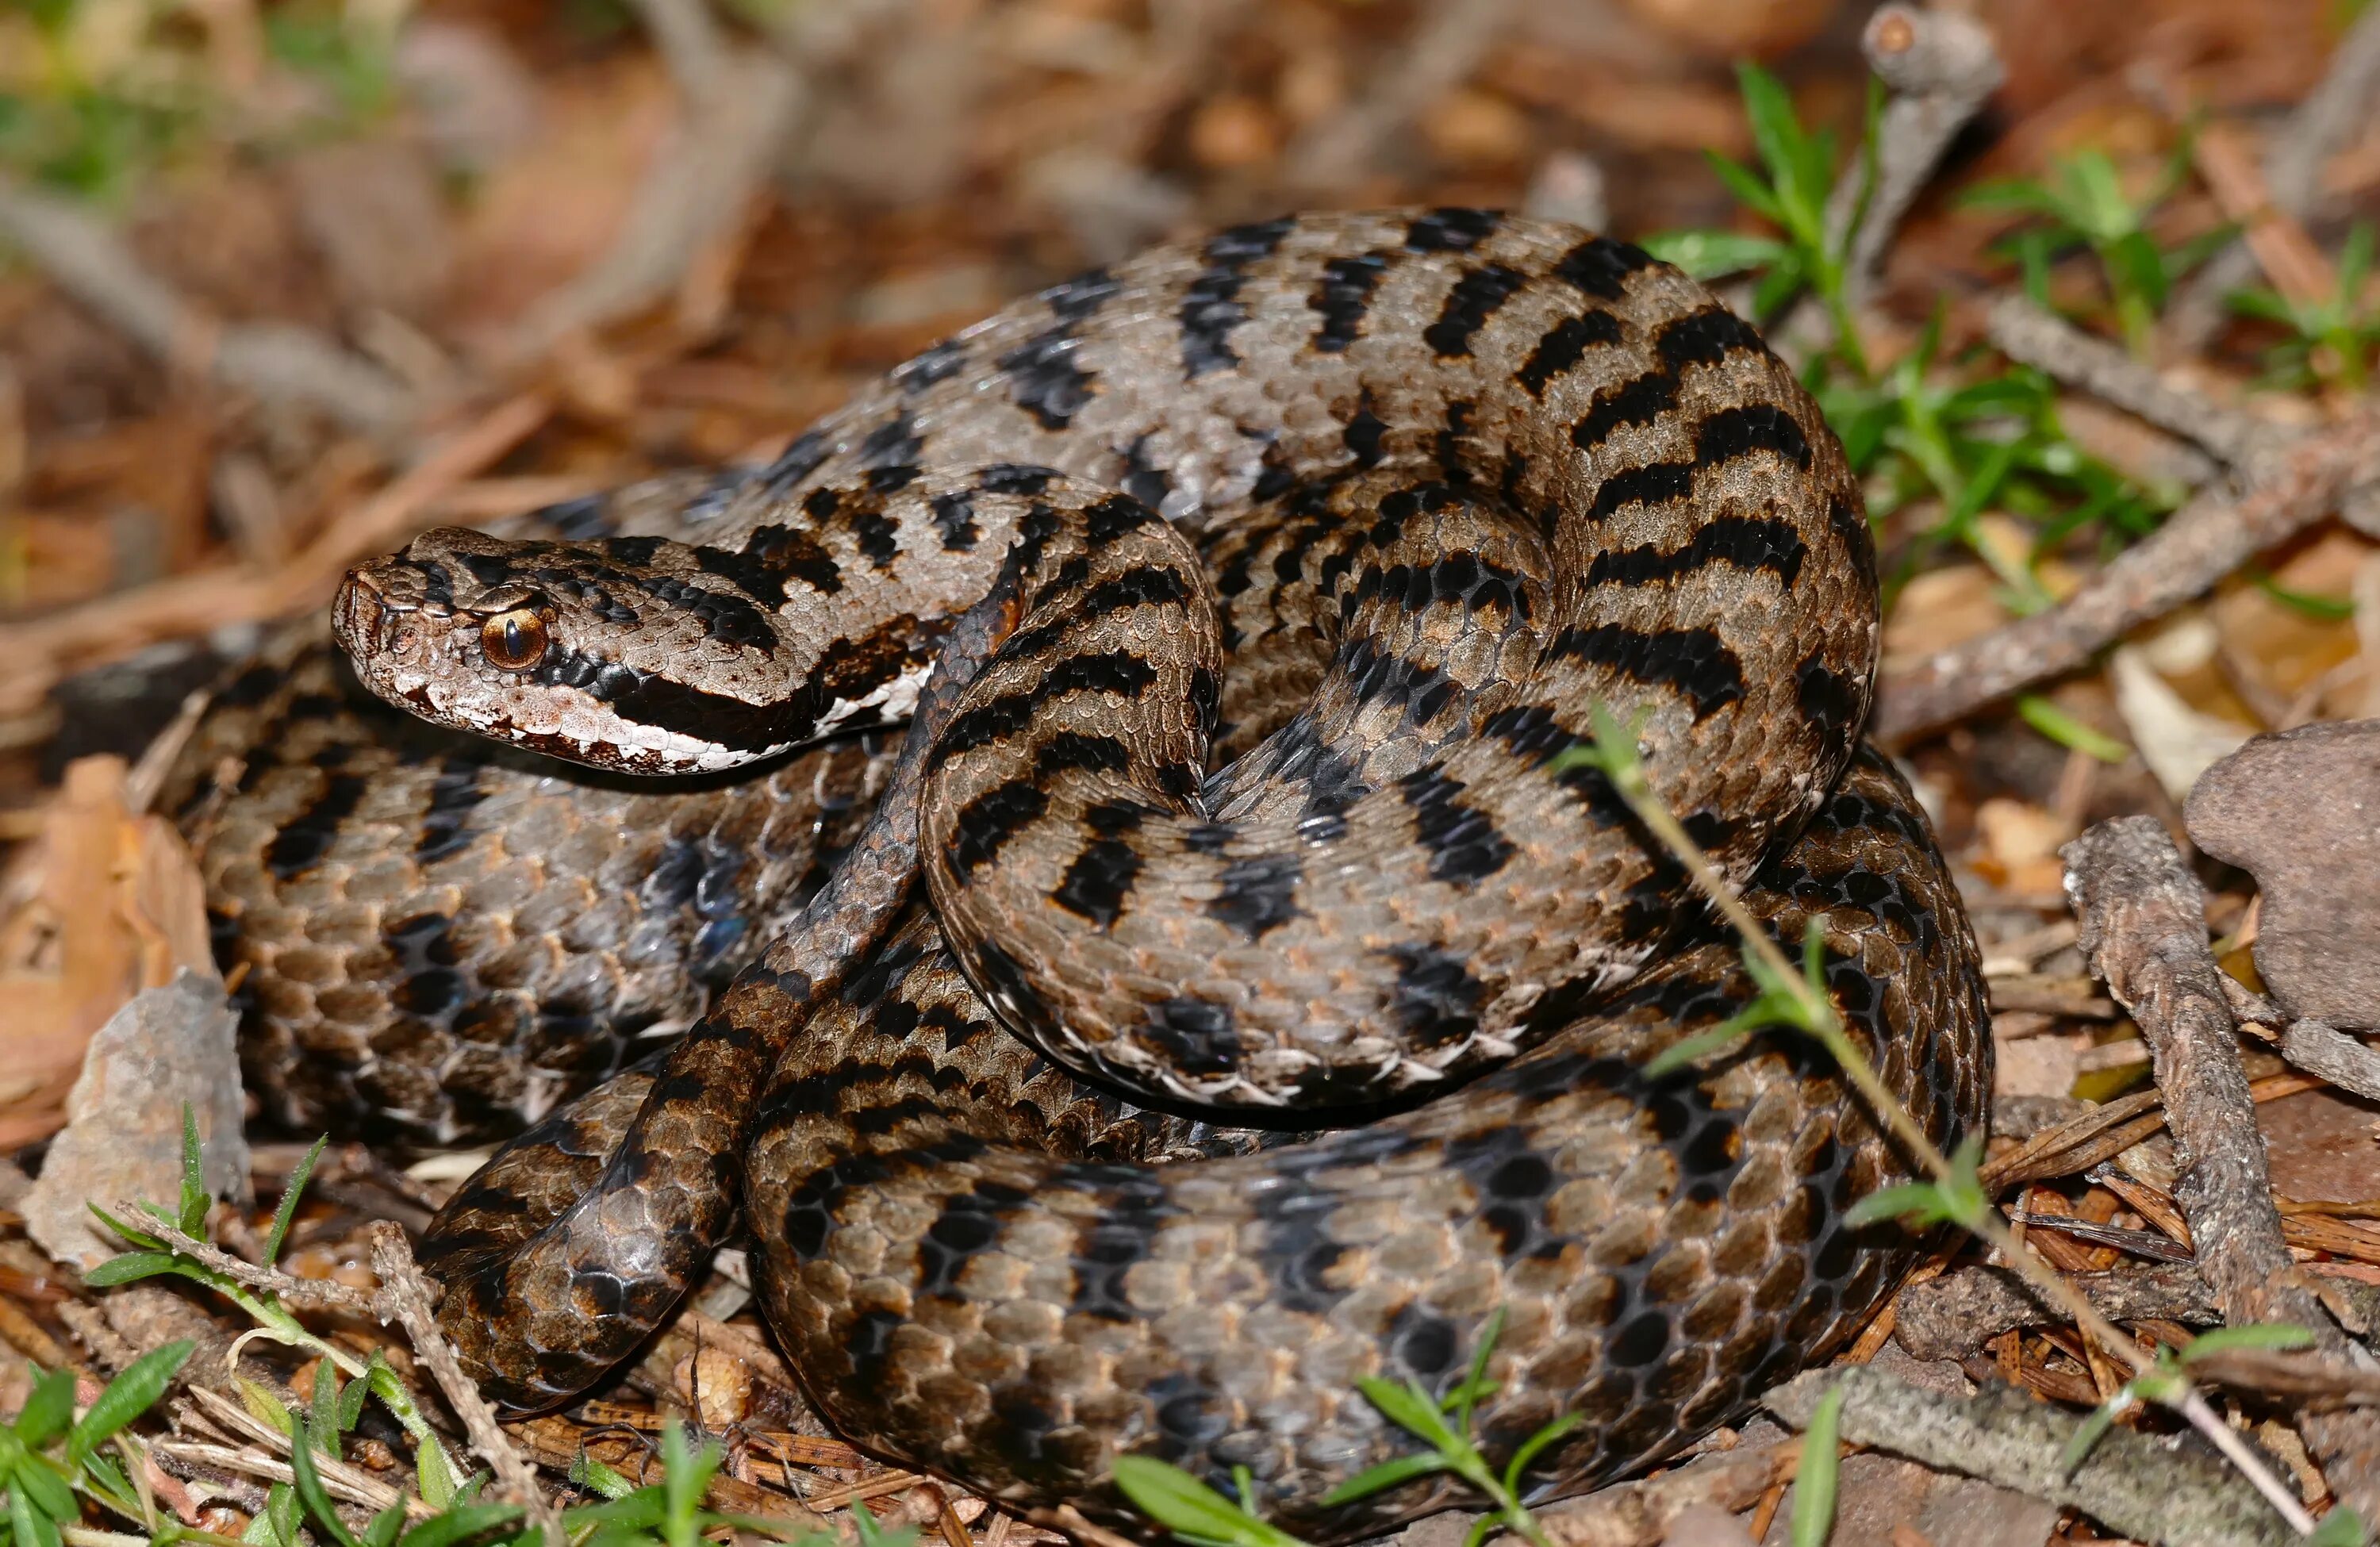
(515, 646)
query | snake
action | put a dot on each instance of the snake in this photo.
(1247, 984)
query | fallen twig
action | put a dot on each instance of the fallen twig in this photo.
(2143, 932)
(2322, 1049)
(405, 1298)
(2128, 1482)
(1941, 67)
(274, 360)
(2027, 334)
(2202, 543)
(1953, 1316)
(310, 1294)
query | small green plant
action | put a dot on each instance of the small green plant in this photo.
(2167, 1382)
(2330, 339)
(1199, 1514)
(2081, 201)
(51, 1460)
(1789, 192)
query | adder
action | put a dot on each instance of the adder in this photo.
(1274, 1009)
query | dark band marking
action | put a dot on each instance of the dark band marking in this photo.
(1258, 893)
(954, 519)
(1746, 542)
(1043, 378)
(1211, 307)
(1363, 433)
(794, 463)
(1652, 484)
(1451, 464)
(1639, 400)
(1696, 662)
(1143, 479)
(1833, 701)
(1077, 298)
(1600, 267)
(731, 619)
(1117, 672)
(1199, 1038)
(1464, 846)
(1739, 431)
(936, 362)
(1074, 751)
(1705, 337)
(1451, 229)
(1342, 298)
(851, 670)
(455, 793)
(985, 825)
(1099, 881)
(878, 538)
(888, 454)
(1563, 345)
(1114, 516)
(772, 555)
(1026, 479)
(1472, 300)
(1435, 999)
(651, 699)
(301, 844)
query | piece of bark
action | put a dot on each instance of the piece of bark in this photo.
(2300, 811)
(2144, 931)
(1953, 1316)
(168, 1047)
(2143, 1487)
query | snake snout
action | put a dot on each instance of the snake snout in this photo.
(366, 624)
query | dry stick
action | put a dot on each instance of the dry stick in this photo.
(1953, 1316)
(2319, 128)
(276, 361)
(2207, 539)
(1627, 777)
(2032, 336)
(1940, 68)
(312, 1294)
(405, 1297)
(2144, 932)
(2133, 1482)
(2322, 1049)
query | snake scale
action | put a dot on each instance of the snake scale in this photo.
(1174, 1101)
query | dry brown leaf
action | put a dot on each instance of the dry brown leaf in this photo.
(103, 904)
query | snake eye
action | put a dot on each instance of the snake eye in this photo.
(514, 640)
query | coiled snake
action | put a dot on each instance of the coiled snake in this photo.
(1433, 484)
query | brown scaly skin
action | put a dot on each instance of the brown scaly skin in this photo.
(1618, 496)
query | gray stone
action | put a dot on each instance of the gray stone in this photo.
(2300, 811)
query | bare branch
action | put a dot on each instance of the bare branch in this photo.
(2143, 932)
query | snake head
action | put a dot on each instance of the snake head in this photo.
(625, 653)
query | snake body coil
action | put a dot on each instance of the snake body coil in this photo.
(1453, 480)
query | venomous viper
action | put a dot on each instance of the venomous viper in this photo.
(1433, 483)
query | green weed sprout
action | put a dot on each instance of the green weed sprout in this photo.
(2331, 338)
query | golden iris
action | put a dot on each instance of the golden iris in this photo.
(514, 640)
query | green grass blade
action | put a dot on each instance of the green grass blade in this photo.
(311, 1494)
(192, 1218)
(1180, 1502)
(285, 1212)
(1814, 1485)
(459, 1525)
(126, 1398)
(49, 1410)
(1387, 1475)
